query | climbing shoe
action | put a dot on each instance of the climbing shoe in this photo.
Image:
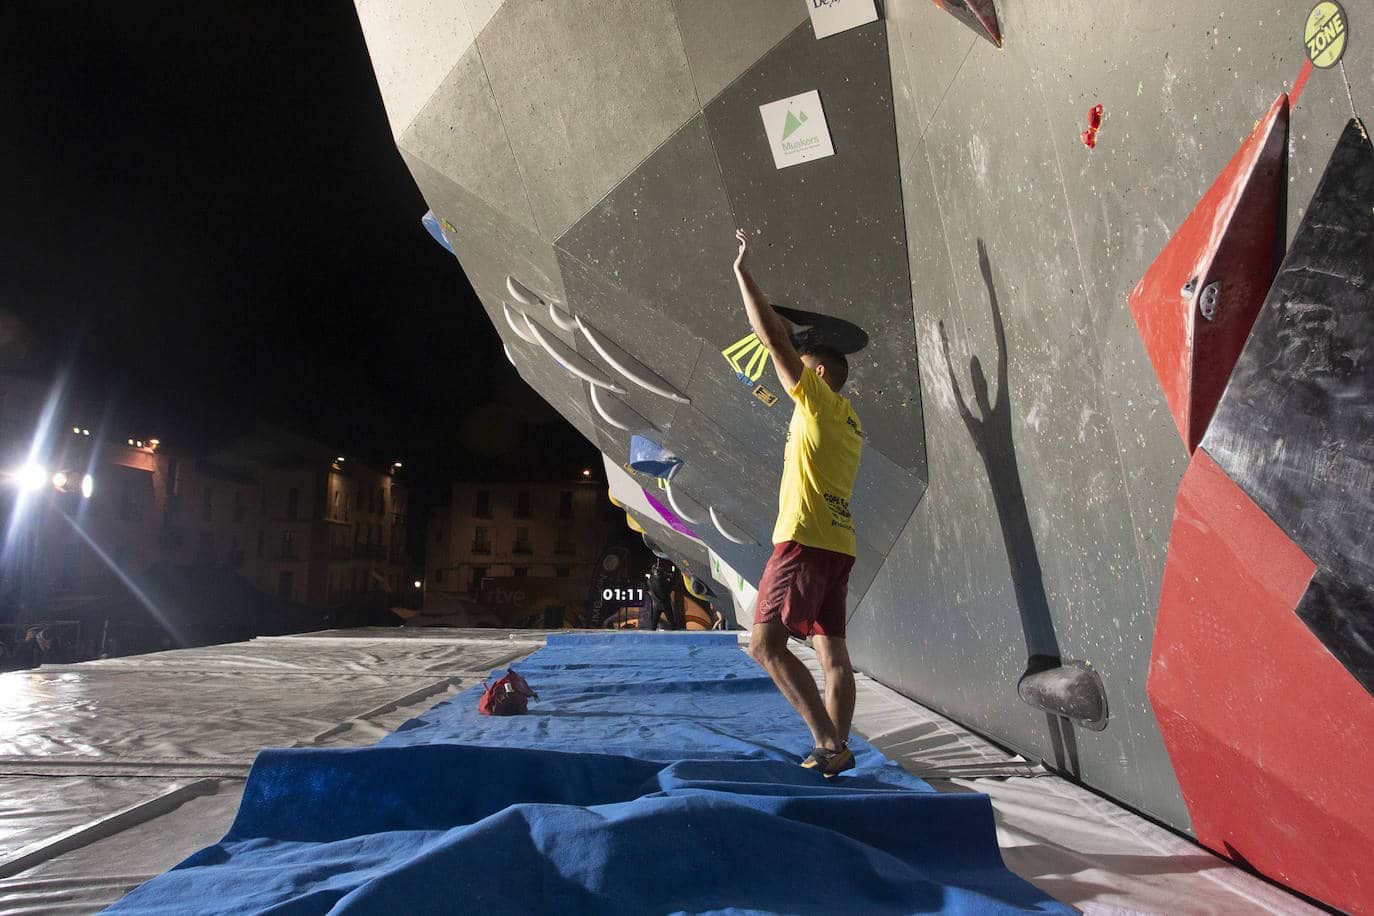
(829, 763)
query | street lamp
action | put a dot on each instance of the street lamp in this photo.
(419, 584)
(31, 477)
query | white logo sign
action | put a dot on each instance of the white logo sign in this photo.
(831, 16)
(796, 129)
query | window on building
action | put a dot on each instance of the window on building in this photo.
(562, 572)
(240, 508)
(131, 497)
(522, 504)
(171, 481)
(439, 576)
(478, 574)
(565, 504)
(481, 504)
(522, 540)
(288, 544)
(520, 572)
(481, 539)
(285, 585)
(564, 542)
(205, 548)
(381, 501)
(293, 503)
(71, 561)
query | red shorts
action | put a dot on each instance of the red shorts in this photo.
(805, 588)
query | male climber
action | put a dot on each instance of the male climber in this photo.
(802, 592)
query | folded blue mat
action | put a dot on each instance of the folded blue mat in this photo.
(656, 773)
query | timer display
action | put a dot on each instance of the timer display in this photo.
(623, 594)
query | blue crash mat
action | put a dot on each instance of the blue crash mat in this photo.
(656, 773)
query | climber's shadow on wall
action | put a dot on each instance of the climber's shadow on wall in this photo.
(1061, 688)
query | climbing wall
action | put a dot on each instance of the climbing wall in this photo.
(1044, 236)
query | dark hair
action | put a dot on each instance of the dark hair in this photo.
(835, 363)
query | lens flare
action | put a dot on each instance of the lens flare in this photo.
(32, 476)
(87, 486)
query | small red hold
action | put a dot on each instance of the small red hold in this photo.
(1089, 136)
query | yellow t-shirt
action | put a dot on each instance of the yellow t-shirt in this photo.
(824, 441)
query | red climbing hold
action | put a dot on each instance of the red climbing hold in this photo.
(1094, 125)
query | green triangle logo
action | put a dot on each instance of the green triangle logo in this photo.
(792, 124)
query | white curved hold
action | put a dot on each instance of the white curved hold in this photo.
(676, 507)
(522, 293)
(715, 520)
(620, 361)
(561, 318)
(570, 359)
(629, 420)
(509, 358)
(518, 326)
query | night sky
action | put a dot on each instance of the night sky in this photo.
(205, 214)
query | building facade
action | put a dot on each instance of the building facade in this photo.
(537, 529)
(287, 515)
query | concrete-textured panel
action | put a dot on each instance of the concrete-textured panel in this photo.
(413, 45)
(479, 13)
(666, 235)
(928, 46)
(633, 324)
(830, 232)
(721, 471)
(717, 391)
(489, 244)
(885, 495)
(562, 390)
(460, 133)
(1051, 461)
(724, 37)
(587, 93)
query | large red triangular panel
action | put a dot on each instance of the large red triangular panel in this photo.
(1195, 305)
(979, 15)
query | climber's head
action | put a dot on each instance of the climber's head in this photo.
(827, 362)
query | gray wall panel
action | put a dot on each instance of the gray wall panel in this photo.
(666, 235)
(992, 184)
(831, 237)
(723, 38)
(636, 326)
(585, 94)
(460, 133)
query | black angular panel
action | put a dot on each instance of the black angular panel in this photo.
(1295, 428)
(1340, 612)
(832, 234)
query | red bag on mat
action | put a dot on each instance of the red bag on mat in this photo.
(509, 696)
